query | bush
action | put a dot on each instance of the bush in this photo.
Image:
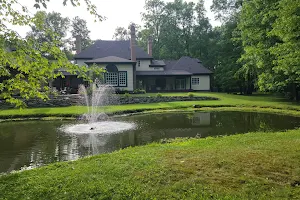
(127, 95)
(139, 91)
(190, 94)
(158, 95)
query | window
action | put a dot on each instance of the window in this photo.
(195, 81)
(122, 79)
(111, 78)
(116, 79)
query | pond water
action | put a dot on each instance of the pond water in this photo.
(30, 144)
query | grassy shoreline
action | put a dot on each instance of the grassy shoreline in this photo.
(259, 165)
(226, 100)
(250, 166)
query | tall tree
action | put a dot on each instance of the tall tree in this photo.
(24, 70)
(256, 59)
(153, 17)
(287, 51)
(52, 23)
(79, 28)
(203, 41)
(225, 9)
(227, 54)
(121, 33)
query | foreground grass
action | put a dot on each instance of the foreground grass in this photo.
(226, 100)
(250, 166)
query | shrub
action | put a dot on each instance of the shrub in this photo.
(158, 95)
(142, 91)
(127, 95)
(190, 94)
(139, 91)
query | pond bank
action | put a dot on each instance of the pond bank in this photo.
(225, 102)
(251, 166)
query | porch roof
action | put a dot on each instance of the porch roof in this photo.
(164, 73)
(110, 59)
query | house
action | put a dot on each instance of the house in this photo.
(129, 67)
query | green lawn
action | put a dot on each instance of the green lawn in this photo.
(226, 100)
(251, 166)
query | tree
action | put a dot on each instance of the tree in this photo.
(256, 58)
(203, 39)
(227, 54)
(121, 33)
(225, 9)
(153, 17)
(79, 28)
(52, 23)
(24, 68)
(287, 51)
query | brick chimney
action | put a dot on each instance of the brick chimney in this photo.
(133, 42)
(78, 44)
(150, 45)
(133, 52)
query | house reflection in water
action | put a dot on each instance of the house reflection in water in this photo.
(201, 119)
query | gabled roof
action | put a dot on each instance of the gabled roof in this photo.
(189, 64)
(105, 48)
(157, 63)
(110, 59)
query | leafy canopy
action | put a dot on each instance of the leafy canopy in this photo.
(25, 67)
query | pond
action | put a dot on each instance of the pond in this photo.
(30, 144)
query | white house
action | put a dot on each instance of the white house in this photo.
(129, 67)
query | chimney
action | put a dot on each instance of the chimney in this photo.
(78, 44)
(133, 42)
(150, 46)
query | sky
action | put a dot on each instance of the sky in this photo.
(117, 13)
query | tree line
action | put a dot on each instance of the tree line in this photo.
(60, 31)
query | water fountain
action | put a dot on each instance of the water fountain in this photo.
(96, 97)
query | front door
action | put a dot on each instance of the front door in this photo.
(180, 84)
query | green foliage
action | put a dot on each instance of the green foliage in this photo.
(79, 28)
(271, 49)
(126, 95)
(158, 95)
(190, 94)
(27, 65)
(50, 28)
(139, 91)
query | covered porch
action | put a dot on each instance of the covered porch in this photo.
(69, 84)
(164, 83)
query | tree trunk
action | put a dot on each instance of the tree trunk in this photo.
(295, 95)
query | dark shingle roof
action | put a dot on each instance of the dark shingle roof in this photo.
(186, 63)
(157, 63)
(105, 48)
(184, 66)
(109, 59)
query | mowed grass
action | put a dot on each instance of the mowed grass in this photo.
(225, 100)
(250, 166)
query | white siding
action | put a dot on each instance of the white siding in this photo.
(204, 83)
(144, 66)
(81, 62)
(129, 69)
